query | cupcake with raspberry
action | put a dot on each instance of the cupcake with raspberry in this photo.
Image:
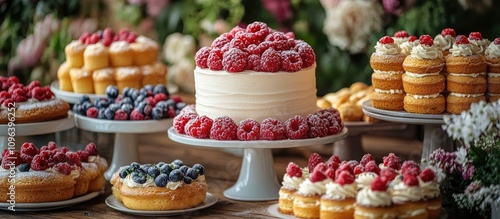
(479, 44)
(293, 177)
(407, 46)
(391, 161)
(430, 189)
(445, 40)
(306, 203)
(408, 198)
(401, 37)
(374, 201)
(492, 56)
(340, 197)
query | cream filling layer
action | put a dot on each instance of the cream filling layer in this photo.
(493, 75)
(374, 215)
(474, 75)
(413, 213)
(388, 72)
(391, 91)
(465, 95)
(415, 75)
(429, 96)
(299, 203)
(336, 208)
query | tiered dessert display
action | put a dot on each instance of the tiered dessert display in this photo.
(29, 110)
(256, 90)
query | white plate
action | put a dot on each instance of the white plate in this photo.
(49, 205)
(115, 204)
(287, 143)
(38, 128)
(404, 120)
(128, 126)
(367, 105)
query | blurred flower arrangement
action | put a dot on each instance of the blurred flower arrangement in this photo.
(472, 180)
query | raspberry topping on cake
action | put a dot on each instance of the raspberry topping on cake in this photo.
(296, 127)
(293, 170)
(426, 40)
(272, 129)
(371, 166)
(410, 180)
(199, 127)
(497, 41)
(108, 36)
(392, 161)
(359, 169)
(223, 128)
(448, 31)
(318, 174)
(461, 39)
(333, 159)
(388, 174)
(314, 160)
(401, 34)
(345, 177)
(408, 164)
(475, 36)
(386, 40)
(366, 158)
(248, 130)
(427, 175)
(330, 173)
(378, 184)
(318, 127)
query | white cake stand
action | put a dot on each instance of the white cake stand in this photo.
(36, 128)
(434, 135)
(125, 147)
(257, 180)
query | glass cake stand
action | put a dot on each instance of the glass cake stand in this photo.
(257, 180)
(434, 135)
(125, 145)
(29, 129)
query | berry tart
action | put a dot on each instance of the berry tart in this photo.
(33, 103)
(160, 187)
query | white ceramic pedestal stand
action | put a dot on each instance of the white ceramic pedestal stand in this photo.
(257, 180)
(29, 129)
(434, 136)
(125, 147)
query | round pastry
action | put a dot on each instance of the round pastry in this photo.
(408, 198)
(425, 104)
(458, 102)
(161, 187)
(401, 37)
(154, 74)
(381, 100)
(128, 77)
(102, 79)
(65, 83)
(492, 56)
(82, 80)
(374, 202)
(423, 84)
(120, 54)
(407, 46)
(479, 44)
(145, 51)
(445, 40)
(466, 83)
(387, 81)
(74, 54)
(96, 57)
(293, 177)
(459, 64)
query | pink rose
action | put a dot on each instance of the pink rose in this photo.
(154, 7)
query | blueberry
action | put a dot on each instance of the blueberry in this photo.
(101, 103)
(149, 87)
(138, 177)
(127, 108)
(135, 165)
(134, 94)
(192, 173)
(166, 168)
(24, 167)
(178, 162)
(147, 110)
(170, 103)
(157, 113)
(160, 164)
(114, 107)
(199, 168)
(175, 176)
(180, 105)
(112, 91)
(77, 108)
(85, 106)
(109, 114)
(161, 180)
(183, 169)
(188, 180)
(153, 171)
(126, 100)
(84, 99)
(145, 167)
(160, 88)
(126, 91)
(143, 92)
(139, 99)
(101, 114)
(124, 172)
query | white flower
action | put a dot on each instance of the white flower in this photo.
(350, 23)
(177, 47)
(461, 156)
(182, 74)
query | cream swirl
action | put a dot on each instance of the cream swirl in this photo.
(150, 181)
(367, 197)
(400, 40)
(426, 52)
(401, 193)
(444, 42)
(340, 192)
(493, 51)
(291, 182)
(479, 46)
(313, 188)
(461, 50)
(387, 49)
(429, 189)
(365, 179)
(407, 46)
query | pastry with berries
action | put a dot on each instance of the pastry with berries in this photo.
(120, 54)
(408, 198)
(429, 184)
(74, 53)
(407, 46)
(96, 57)
(374, 201)
(81, 80)
(492, 56)
(102, 78)
(466, 78)
(445, 40)
(422, 80)
(32, 102)
(160, 187)
(340, 197)
(292, 179)
(387, 65)
(306, 203)
(401, 37)
(145, 50)
(391, 161)
(130, 77)
(91, 160)
(479, 44)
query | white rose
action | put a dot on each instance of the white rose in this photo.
(177, 47)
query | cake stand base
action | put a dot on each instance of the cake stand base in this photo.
(124, 152)
(257, 181)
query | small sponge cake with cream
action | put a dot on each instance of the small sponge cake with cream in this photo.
(492, 56)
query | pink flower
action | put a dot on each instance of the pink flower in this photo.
(81, 25)
(30, 50)
(154, 7)
(397, 7)
(136, 2)
(280, 9)
(46, 28)
(329, 3)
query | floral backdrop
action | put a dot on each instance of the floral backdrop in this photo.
(33, 33)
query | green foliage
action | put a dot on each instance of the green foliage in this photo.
(486, 163)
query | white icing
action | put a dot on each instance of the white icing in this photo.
(391, 91)
(286, 196)
(119, 46)
(429, 189)
(493, 95)
(340, 192)
(493, 75)
(297, 202)
(493, 51)
(94, 49)
(365, 179)
(444, 43)
(401, 193)
(407, 214)
(387, 49)
(400, 40)
(375, 215)
(474, 75)
(461, 50)
(465, 95)
(292, 182)
(407, 46)
(426, 52)
(76, 46)
(313, 188)
(336, 208)
(479, 46)
(428, 96)
(388, 72)
(367, 197)
(421, 75)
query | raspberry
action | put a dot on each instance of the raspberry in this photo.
(386, 40)
(253, 49)
(247, 38)
(314, 160)
(378, 184)
(18, 98)
(332, 165)
(306, 53)
(497, 41)
(333, 159)
(63, 149)
(199, 127)
(296, 127)
(461, 39)
(84, 37)
(318, 127)
(26, 158)
(262, 47)
(408, 164)
(4, 94)
(181, 120)
(92, 112)
(475, 36)
(38, 93)
(73, 159)
(248, 130)
(223, 128)
(260, 28)
(411, 171)
(371, 166)
(91, 148)
(276, 36)
(290, 35)
(188, 109)
(94, 38)
(136, 115)
(45, 153)
(392, 161)
(412, 39)
(358, 169)
(29, 149)
(448, 31)
(270, 61)
(63, 168)
(235, 30)
(220, 41)
(426, 40)
(7, 103)
(345, 177)
(234, 60)
(120, 115)
(272, 129)
(214, 61)
(59, 157)
(427, 175)
(108, 33)
(401, 34)
(131, 38)
(84, 155)
(317, 176)
(151, 101)
(293, 170)
(51, 145)
(321, 167)
(388, 174)
(39, 163)
(352, 163)
(160, 97)
(292, 61)
(176, 98)
(330, 173)
(410, 180)
(48, 92)
(366, 158)
(237, 43)
(253, 62)
(201, 57)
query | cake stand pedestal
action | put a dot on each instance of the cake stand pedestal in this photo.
(125, 149)
(257, 180)
(29, 129)
(434, 136)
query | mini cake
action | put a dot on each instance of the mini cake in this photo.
(65, 83)
(445, 40)
(306, 203)
(386, 63)
(120, 54)
(74, 54)
(82, 80)
(340, 197)
(102, 78)
(432, 195)
(492, 56)
(95, 57)
(374, 202)
(466, 79)
(293, 177)
(145, 51)
(408, 198)
(154, 74)
(407, 46)
(401, 37)
(422, 80)
(365, 179)
(128, 77)
(160, 187)
(479, 44)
